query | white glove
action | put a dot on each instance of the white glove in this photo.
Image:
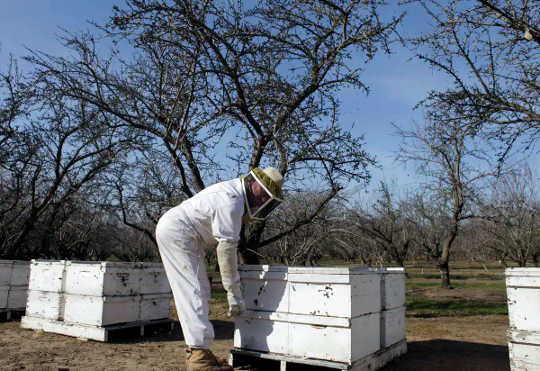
(228, 267)
(237, 306)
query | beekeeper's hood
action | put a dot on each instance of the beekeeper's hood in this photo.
(262, 192)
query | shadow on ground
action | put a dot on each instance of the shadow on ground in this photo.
(165, 332)
(446, 355)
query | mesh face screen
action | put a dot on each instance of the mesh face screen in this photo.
(259, 201)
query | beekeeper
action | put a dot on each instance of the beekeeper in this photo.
(213, 217)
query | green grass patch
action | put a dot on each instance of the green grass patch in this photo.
(466, 285)
(498, 285)
(218, 294)
(479, 276)
(419, 307)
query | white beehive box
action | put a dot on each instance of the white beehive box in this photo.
(333, 314)
(523, 293)
(44, 304)
(13, 284)
(74, 294)
(14, 272)
(109, 310)
(47, 275)
(115, 279)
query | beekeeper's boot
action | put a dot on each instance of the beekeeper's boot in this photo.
(204, 360)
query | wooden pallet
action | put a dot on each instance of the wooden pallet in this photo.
(11, 313)
(257, 361)
(104, 334)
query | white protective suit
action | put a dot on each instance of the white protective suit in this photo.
(213, 216)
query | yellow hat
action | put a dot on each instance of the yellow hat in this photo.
(275, 175)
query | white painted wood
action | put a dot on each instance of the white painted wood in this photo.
(109, 310)
(14, 272)
(17, 297)
(523, 336)
(154, 280)
(77, 330)
(299, 318)
(93, 278)
(100, 311)
(47, 275)
(393, 326)
(394, 290)
(524, 357)
(154, 307)
(112, 278)
(318, 294)
(522, 277)
(377, 360)
(322, 342)
(60, 327)
(5, 272)
(320, 299)
(365, 335)
(366, 294)
(13, 283)
(371, 362)
(523, 293)
(343, 341)
(261, 334)
(523, 308)
(20, 273)
(315, 271)
(44, 304)
(4, 292)
(332, 314)
(98, 293)
(264, 291)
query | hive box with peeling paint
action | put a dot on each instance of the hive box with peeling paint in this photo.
(115, 278)
(110, 310)
(334, 314)
(96, 293)
(13, 284)
(523, 293)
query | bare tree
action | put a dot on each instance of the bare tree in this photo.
(262, 77)
(54, 148)
(511, 222)
(489, 48)
(301, 243)
(386, 223)
(454, 163)
(432, 220)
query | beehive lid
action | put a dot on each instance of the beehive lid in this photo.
(319, 270)
(48, 262)
(122, 265)
(528, 272)
(9, 262)
(262, 268)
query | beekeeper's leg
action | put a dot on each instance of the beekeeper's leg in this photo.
(186, 271)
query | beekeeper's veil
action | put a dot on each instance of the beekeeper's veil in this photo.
(260, 201)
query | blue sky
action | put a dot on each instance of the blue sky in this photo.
(396, 83)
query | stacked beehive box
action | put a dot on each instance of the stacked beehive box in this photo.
(13, 286)
(84, 299)
(350, 318)
(523, 292)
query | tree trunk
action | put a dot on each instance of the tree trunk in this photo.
(444, 267)
(249, 241)
(535, 259)
(444, 261)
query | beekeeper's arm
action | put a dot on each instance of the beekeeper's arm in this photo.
(228, 266)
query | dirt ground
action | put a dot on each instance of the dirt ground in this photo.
(440, 343)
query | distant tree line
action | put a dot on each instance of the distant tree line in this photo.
(170, 96)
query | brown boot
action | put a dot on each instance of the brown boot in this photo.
(203, 360)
